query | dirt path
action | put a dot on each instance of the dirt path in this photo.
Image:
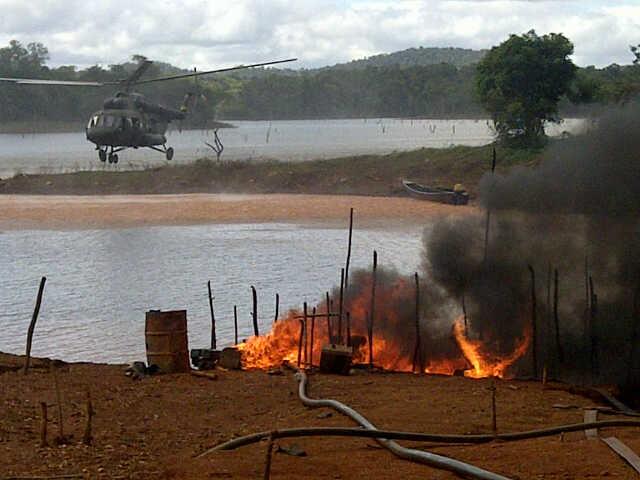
(71, 212)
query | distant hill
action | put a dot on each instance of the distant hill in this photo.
(418, 57)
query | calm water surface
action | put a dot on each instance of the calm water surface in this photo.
(296, 140)
(100, 283)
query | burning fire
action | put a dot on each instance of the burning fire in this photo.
(486, 364)
(393, 340)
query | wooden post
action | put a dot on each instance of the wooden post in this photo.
(87, 438)
(555, 317)
(268, 457)
(43, 424)
(417, 353)
(213, 317)
(235, 324)
(300, 342)
(340, 306)
(593, 313)
(254, 314)
(277, 307)
(494, 416)
(534, 323)
(32, 325)
(346, 268)
(373, 306)
(547, 328)
(59, 403)
(348, 329)
(306, 338)
(329, 332)
(464, 315)
(488, 220)
(313, 328)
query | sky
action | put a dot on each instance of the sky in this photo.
(212, 34)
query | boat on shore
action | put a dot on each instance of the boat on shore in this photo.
(452, 196)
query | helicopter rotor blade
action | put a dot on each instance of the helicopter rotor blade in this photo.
(73, 83)
(220, 70)
(135, 76)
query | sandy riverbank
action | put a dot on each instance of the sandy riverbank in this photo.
(71, 212)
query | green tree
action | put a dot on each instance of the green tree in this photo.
(520, 83)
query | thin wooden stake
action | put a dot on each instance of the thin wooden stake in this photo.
(277, 307)
(534, 323)
(556, 318)
(235, 324)
(348, 329)
(313, 328)
(417, 353)
(59, 403)
(373, 306)
(306, 338)
(213, 317)
(494, 416)
(300, 342)
(340, 311)
(268, 457)
(32, 324)
(346, 268)
(329, 332)
(87, 438)
(43, 424)
(254, 314)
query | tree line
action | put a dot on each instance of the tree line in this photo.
(434, 90)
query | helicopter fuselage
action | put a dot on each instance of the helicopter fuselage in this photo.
(125, 128)
(128, 120)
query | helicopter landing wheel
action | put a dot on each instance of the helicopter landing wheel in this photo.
(169, 153)
(102, 155)
(113, 158)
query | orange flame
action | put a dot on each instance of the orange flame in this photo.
(393, 339)
(484, 363)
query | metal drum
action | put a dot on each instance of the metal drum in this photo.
(166, 340)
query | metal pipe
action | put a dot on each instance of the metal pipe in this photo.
(427, 458)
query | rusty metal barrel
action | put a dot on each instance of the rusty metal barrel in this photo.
(166, 340)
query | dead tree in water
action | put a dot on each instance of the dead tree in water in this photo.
(32, 324)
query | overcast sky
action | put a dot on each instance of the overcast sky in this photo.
(219, 33)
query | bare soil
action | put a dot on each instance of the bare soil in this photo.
(152, 428)
(66, 212)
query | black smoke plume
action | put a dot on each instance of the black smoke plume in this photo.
(577, 212)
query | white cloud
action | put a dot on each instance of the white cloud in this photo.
(210, 34)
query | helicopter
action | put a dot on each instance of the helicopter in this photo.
(128, 119)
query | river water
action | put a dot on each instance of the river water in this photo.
(295, 140)
(100, 283)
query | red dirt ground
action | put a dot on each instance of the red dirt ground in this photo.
(152, 428)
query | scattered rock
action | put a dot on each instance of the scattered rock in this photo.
(564, 406)
(324, 415)
(293, 450)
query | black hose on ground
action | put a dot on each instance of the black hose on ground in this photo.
(438, 461)
(412, 436)
(386, 437)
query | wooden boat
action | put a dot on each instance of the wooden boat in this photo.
(434, 194)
